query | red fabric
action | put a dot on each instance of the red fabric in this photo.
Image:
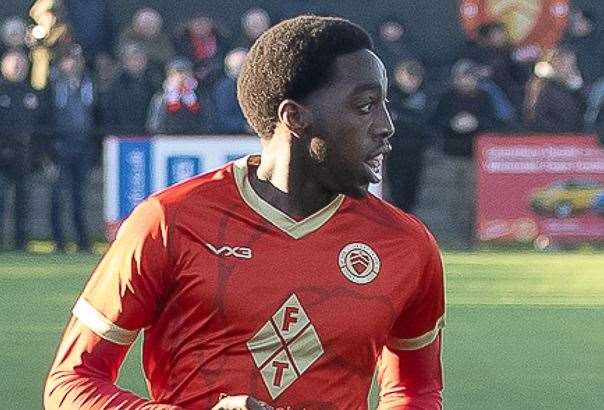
(200, 305)
(411, 379)
(203, 48)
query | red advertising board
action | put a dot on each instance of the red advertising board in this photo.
(539, 185)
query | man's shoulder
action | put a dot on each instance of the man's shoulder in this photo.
(211, 186)
(390, 218)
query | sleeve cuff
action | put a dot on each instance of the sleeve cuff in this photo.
(99, 324)
(419, 342)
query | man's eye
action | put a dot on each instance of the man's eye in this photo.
(366, 108)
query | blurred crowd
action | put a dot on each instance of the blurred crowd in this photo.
(67, 80)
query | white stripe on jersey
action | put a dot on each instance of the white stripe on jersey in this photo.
(99, 324)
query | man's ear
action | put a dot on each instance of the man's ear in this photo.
(294, 116)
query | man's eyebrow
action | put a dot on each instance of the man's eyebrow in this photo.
(374, 85)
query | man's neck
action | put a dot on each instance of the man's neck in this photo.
(284, 180)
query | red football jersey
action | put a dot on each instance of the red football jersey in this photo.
(236, 297)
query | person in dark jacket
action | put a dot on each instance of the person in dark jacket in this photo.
(92, 26)
(147, 30)
(411, 107)
(254, 22)
(585, 37)
(229, 117)
(13, 35)
(492, 50)
(554, 102)
(20, 108)
(126, 101)
(201, 42)
(394, 42)
(182, 106)
(73, 119)
(463, 112)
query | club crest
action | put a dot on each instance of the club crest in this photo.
(359, 263)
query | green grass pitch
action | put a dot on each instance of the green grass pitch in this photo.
(524, 330)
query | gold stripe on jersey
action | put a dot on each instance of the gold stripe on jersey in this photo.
(99, 324)
(295, 229)
(416, 343)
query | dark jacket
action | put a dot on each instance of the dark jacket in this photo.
(72, 116)
(590, 53)
(505, 73)
(229, 118)
(21, 114)
(411, 115)
(182, 121)
(557, 109)
(125, 104)
(452, 103)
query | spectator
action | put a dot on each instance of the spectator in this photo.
(125, 103)
(254, 22)
(73, 122)
(49, 35)
(462, 113)
(553, 99)
(492, 50)
(182, 107)
(146, 30)
(92, 25)
(412, 105)
(585, 37)
(395, 43)
(200, 41)
(20, 108)
(229, 117)
(13, 33)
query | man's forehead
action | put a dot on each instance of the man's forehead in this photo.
(359, 68)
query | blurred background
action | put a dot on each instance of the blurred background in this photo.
(499, 114)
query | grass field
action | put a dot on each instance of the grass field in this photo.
(524, 330)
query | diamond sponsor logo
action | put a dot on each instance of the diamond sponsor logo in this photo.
(285, 347)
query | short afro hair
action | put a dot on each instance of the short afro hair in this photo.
(291, 60)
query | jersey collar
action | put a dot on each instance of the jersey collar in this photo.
(295, 229)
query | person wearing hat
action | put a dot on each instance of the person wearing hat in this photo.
(73, 123)
(463, 112)
(182, 106)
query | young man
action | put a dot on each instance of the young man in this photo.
(277, 277)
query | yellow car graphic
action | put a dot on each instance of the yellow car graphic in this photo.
(565, 198)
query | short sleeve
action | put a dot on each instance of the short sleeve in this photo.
(420, 322)
(125, 291)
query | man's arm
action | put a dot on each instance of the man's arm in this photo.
(121, 297)
(411, 379)
(409, 370)
(84, 373)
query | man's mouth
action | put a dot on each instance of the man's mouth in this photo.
(373, 165)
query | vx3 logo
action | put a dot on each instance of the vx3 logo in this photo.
(236, 251)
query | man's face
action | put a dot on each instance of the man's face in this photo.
(201, 26)
(148, 23)
(465, 83)
(71, 66)
(408, 81)
(391, 31)
(255, 23)
(580, 25)
(135, 62)
(14, 67)
(349, 114)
